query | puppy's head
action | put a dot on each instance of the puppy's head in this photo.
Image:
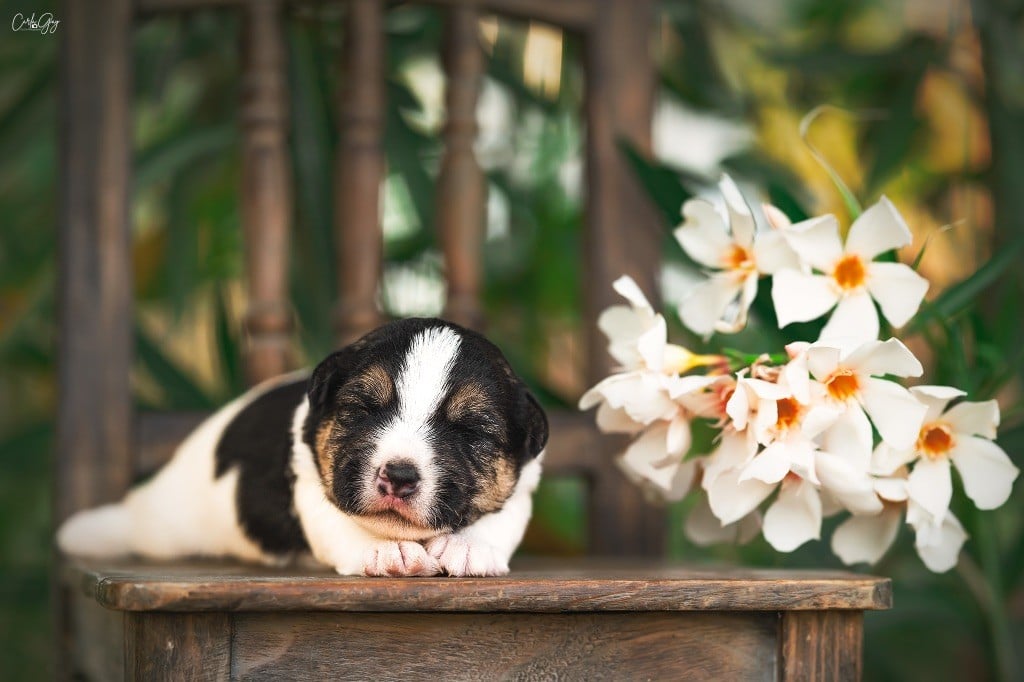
(421, 427)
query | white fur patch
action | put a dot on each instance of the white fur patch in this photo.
(184, 510)
(421, 385)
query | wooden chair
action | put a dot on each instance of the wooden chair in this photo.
(597, 618)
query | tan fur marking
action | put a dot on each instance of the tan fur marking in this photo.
(497, 490)
(376, 383)
(468, 398)
(325, 456)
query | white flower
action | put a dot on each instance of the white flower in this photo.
(937, 542)
(656, 458)
(850, 381)
(960, 436)
(849, 278)
(729, 498)
(703, 528)
(795, 516)
(736, 254)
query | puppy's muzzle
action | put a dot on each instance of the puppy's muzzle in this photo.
(398, 479)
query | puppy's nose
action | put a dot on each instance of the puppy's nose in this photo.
(400, 479)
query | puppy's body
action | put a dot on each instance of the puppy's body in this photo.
(414, 451)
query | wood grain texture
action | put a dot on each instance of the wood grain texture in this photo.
(461, 190)
(622, 236)
(177, 646)
(692, 646)
(538, 586)
(266, 191)
(359, 171)
(821, 645)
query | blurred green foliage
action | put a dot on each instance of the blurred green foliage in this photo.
(937, 122)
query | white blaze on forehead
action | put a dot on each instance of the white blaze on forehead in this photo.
(424, 378)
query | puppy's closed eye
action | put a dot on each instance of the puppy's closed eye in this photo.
(374, 387)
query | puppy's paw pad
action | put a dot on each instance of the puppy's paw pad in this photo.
(460, 557)
(396, 559)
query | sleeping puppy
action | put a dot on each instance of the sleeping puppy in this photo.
(413, 451)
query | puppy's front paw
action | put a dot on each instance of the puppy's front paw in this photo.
(400, 559)
(459, 556)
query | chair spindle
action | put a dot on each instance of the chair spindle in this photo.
(461, 192)
(266, 190)
(360, 168)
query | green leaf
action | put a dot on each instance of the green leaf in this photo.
(961, 295)
(180, 390)
(176, 152)
(852, 205)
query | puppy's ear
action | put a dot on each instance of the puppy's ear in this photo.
(531, 418)
(329, 376)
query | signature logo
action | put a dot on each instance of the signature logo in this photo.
(43, 25)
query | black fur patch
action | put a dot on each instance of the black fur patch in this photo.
(258, 442)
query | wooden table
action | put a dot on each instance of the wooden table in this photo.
(584, 619)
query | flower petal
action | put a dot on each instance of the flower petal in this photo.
(770, 466)
(880, 228)
(931, 486)
(876, 358)
(773, 253)
(849, 484)
(886, 460)
(647, 458)
(682, 482)
(731, 500)
(987, 473)
(799, 297)
(938, 544)
(816, 241)
(822, 360)
(678, 438)
(741, 220)
(891, 489)
(794, 518)
(706, 303)
(866, 538)
(850, 437)
(734, 318)
(650, 345)
(703, 234)
(896, 413)
(615, 420)
(935, 398)
(898, 289)
(975, 419)
(733, 452)
(704, 529)
(630, 290)
(854, 318)
(623, 325)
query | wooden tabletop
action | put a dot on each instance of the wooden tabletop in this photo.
(577, 585)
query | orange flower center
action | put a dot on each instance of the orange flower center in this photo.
(935, 440)
(842, 384)
(850, 272)
(738, 258)
(788, 413)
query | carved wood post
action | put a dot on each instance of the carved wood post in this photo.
(360, 168)
(622, 236)
(94, 414)
(266, 190)
(461, 191)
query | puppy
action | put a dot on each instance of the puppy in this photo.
(412, 452)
